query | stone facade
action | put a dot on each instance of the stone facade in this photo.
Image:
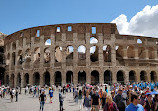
(61, 53)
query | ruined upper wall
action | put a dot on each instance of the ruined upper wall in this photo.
(2, 36)
(105, 28)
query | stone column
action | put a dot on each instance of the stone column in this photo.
(88, 76)
(113, 51)
(114, 76)
(138, 75)
(41, 79)
(87, 50)
(125, 52)
(155, 54)
(15, 80)
(52, 77)
(41, 52)
(146, 53)
(52, 51)
(75, 53)
(100, 51)
(136, 53)
(126, 77)
(63, 76)
(148, 78)
(31, 79)
(101, 76)
(75, 77)
(32, 53)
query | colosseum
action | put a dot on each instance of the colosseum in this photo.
(77, 53)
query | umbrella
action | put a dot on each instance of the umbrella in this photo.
(154, 92)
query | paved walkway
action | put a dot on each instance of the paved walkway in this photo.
(28, 103)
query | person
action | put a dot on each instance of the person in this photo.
(119, 100)
(1, 92)
(80, 99)
(142, 98)
(103, 99)
(156, 101)
(113, 95)
(134, 106)
(100, 93)
(16, 94)
(42, 99)
(149, 104)
(61, 100)
(51, 94)
(95, 101)
(87, 102)
(110, 105)
(11, 94)
(76, 96)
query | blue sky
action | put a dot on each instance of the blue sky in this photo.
(16, 15)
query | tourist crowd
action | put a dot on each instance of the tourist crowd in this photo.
(141, 96)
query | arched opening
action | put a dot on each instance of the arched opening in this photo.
(130, 52)
(58, 54)
(7, 80)
(81, 52)
(69, 77)
(153, 76)
(1, 59)
(141, 53)
(1, 49)
(8, 59)
(37, 54)
(19, 80)
(143, 76)
(120, 77)
(93, 40)
(151, 53)
(47, 78)
(81, 77)
(119, 55)
(94, 53)
(13, 58)
(12, 81)
(36, 78)
(94, 77)
(48, 42)
(107, 53)
(20, 58)
(58, 78)
(27, 58)
(26, 79)
(13, 46)
(108, 77)
(47, 55)
(139, 41)
(132, 76)
(69, 53)
(2, 70)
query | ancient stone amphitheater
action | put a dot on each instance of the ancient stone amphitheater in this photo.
(77, 53)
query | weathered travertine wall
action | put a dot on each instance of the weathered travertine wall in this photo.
(122, 58)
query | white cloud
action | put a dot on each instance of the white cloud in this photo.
(144, 23)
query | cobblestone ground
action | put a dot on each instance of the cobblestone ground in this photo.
(28, 103)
